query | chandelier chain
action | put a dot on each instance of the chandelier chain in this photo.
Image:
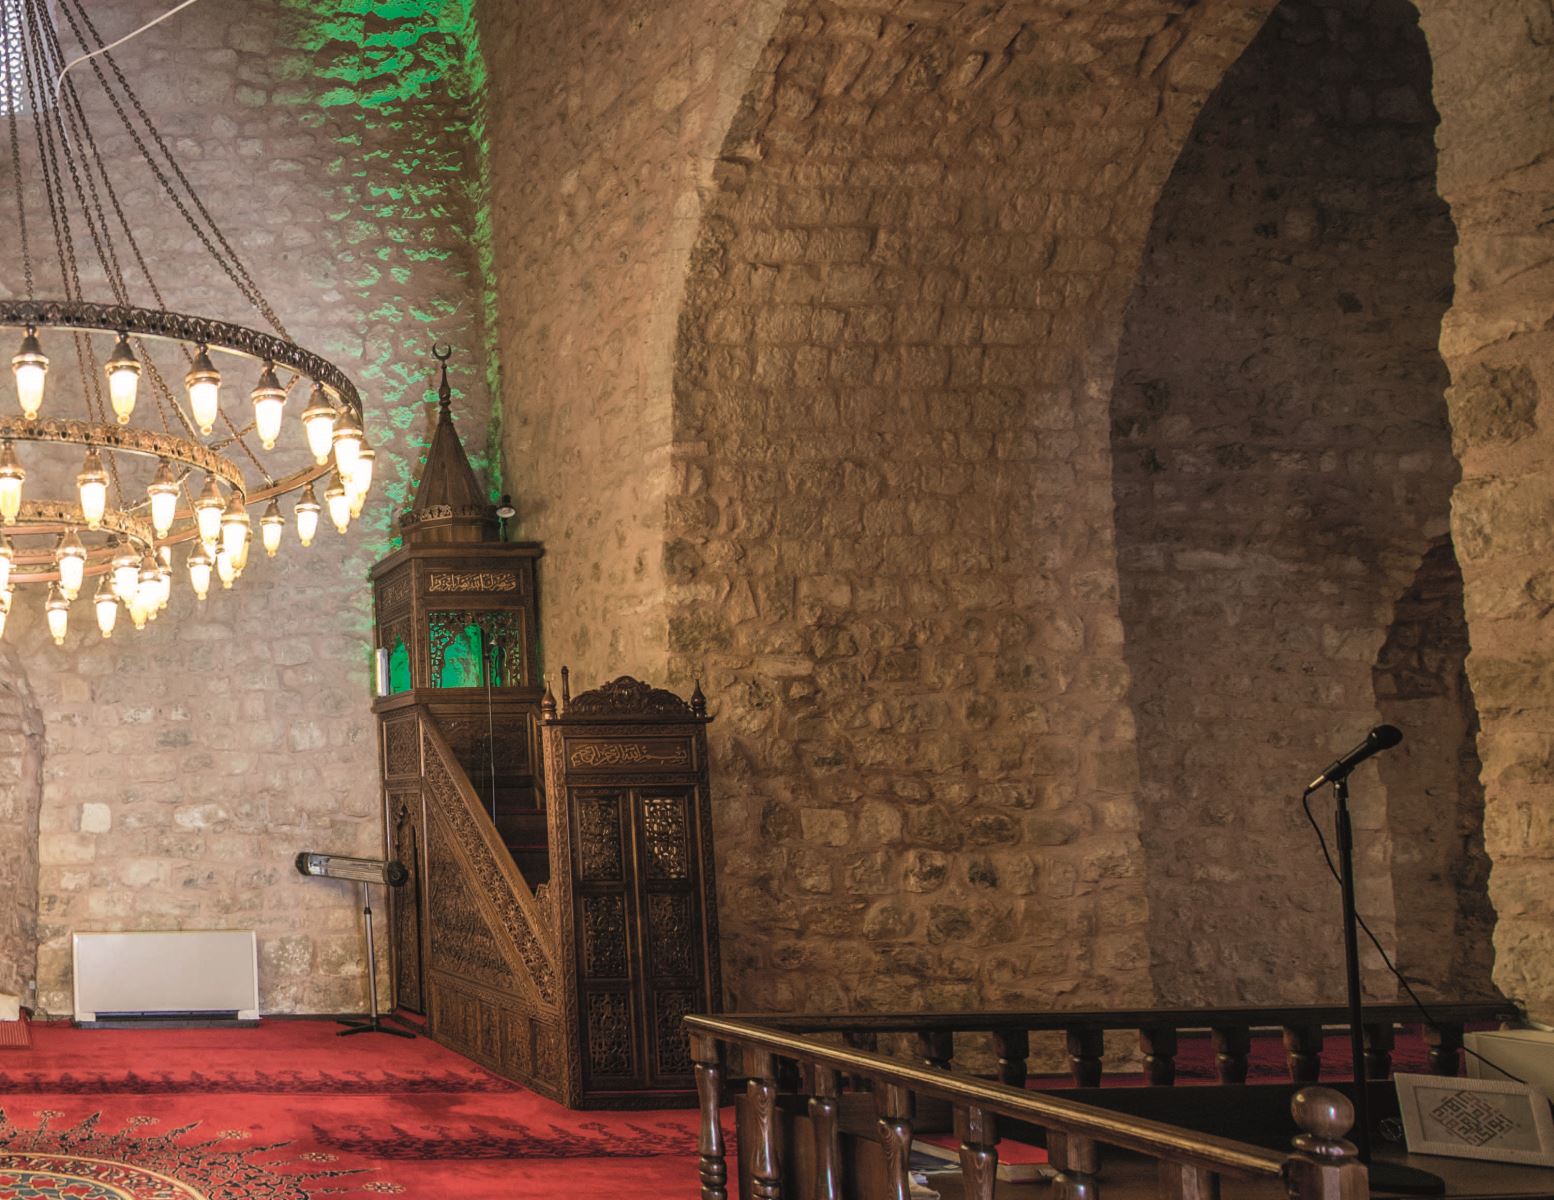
(13, 101)
(70, 279)
(232, 265)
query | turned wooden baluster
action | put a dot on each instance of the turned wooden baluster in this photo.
(1379, 1040)
(1324, 1166)
(1086, 1044)
(977, 1130)
(1232, 1052)
(765, 1167)
(893, 1103)
(1012, 1046)
(936, 1049)
(1178, 1181)
(709, 1091)
(1158, 1045)
(1303, 1052)
(1077, 1162)
(1445, 1042)
(823, 1093)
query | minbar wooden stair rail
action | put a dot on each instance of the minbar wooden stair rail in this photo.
(1321, 1165)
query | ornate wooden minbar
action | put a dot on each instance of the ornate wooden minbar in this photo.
(560, 948)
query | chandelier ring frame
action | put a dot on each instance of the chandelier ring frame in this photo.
(86, 316)
(46, 518)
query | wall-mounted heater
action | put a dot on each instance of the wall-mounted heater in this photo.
(181, 976)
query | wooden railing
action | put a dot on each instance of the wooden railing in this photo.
(1158, 1029)
(1321, 1166)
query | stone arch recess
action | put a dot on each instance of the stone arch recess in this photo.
(21, 796)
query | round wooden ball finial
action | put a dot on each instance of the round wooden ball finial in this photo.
(1324, 1116)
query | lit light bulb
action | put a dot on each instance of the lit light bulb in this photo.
(123, 379)
(92, 483)
(269, 399)
(58, 609)
(204, 385)
(70, 560)
(240, 559)
(271, 526)
(7, 559)
(208, 510)
(164, 587)
(126, 573)
(200, 567)
(339, 503)
(30, 366)
(318, 421)
(235, 527)
(347, 439)
(162, 491)
(308, 509)
(360, 481)
(107, 605)
(148, 588)
(12, 475)
(225, 570)
(137, 611)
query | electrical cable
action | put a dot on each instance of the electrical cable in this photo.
(59, 81)
(1305, 803)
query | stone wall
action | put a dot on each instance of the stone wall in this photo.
(890, 540)
(186, 765)
(1282, 462)
(603, 120)
(1494, 86)
(21, 771)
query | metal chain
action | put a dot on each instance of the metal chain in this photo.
(232, 265)
(13, 102)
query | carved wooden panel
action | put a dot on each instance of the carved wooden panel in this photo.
(605, 953)
(666, 837)
(610, 1046)
(671, 1046)
(405, 903)
(599, 836)
(672, 935)
(472, 581)
(402, 746)
(638, 754)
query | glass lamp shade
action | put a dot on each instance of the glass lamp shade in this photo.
(123, 379)
(318, 422)
(234, 527)
(269, 399)
(240, 559)
(360, 481)
(148, 589)
(208, 510)
(30, 366)
(307, 510)
(58, 610)
(200, 567)
(126, 574)
(92, 484)
(162, 491)
(339, 503)
(5, 611)
(7, 558)
(164, 587)
(107, 606)
(271, 526)
(347, 439)
(226, 569)
(70, 560)
(204, 386)
(12, 476)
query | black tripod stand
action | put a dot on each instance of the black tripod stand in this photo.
(374, 1022)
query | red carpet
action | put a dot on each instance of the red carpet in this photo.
(288, 1111)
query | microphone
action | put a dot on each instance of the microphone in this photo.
(1383, 737)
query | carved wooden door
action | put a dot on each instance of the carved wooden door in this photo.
(407, 917)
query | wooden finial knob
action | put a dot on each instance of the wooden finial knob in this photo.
(548, 701)
(1324, 1116)
(566, 687)
(698, 701)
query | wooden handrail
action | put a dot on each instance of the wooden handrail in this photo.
(1050, 1020)
(1152, 1138)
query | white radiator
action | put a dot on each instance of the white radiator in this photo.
(190, 972)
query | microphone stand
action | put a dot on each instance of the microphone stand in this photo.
(1384, 1177)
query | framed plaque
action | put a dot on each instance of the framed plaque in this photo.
(1493, 1120)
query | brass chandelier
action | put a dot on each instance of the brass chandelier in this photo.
(162, 466)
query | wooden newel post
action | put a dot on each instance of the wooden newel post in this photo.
(1324, 1165)
(709, 1092)
(823, 1093)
